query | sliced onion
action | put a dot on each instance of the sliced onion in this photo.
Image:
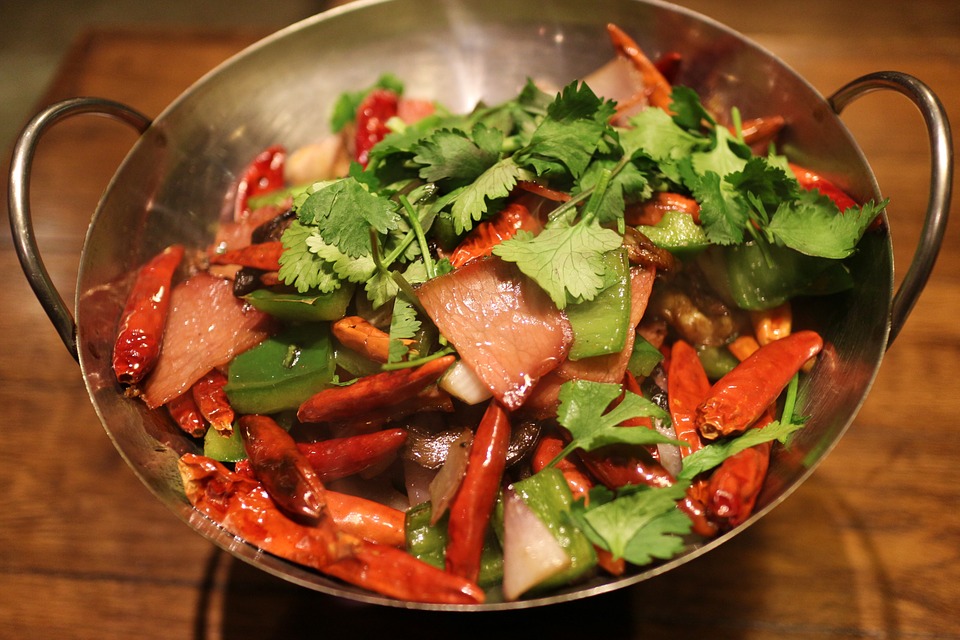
(417, 479)
(461, 382)
(530, 552)
(669, 454)
(616, 80)
(444, 486)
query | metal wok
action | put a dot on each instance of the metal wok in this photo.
(171, 187)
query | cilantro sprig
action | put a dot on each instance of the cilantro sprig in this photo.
(586, 413)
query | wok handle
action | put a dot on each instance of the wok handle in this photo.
(18, 201)
(941, 179)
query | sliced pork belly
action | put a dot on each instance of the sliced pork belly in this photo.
(543, 400)
(502, 324)
(207, 327)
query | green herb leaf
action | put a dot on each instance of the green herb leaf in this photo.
(404, 325)
(583, 412)
(300, 267)
(565, 141)
(688, 111)
(714, 454)
(452, 155)
(564, 261)
(813, 226)
(471, 202)
(637, 523)
(344, 212)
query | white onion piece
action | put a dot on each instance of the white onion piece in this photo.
(445, 484)
(323, 160)
(461, 382)
(417, 480)
(530, 552)
(617, 80)
(669, 454)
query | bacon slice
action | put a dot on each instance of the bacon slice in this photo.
(607, 368)
(504, 326)
(207, 327)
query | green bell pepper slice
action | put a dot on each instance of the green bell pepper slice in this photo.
(600, 325)
(757, 276)
(283, 371)
(302, 307)
(428, 542)
(548, 496)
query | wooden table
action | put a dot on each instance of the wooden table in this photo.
(866, 548)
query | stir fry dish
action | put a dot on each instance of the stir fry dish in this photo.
(466, 358)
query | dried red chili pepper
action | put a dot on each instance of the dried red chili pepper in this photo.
(263, 175)
(740, 397)
(472, 505)
(372, 393)
(341, 457)
(811, 180)
(212, 401)
(687, 387)
(144, 317)
(280, 467)
(265, 256)
(372, 115)
(184, 411)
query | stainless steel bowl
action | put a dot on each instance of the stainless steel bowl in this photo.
(171, 187)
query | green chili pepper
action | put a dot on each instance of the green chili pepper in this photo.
(677, 233)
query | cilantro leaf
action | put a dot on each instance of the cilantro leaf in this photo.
(714, 454)
(347, 268)
(404, 325)
(726, 156)
(583, 412)
(471, 202)
(766, 182)
(661, 538)
(724, 214)
(628, 181)
(566, 139)
(381, 288)
(345, 211)
(654, 134)
(813, 226)
(564, 261)
(634, 514)
(688, 111)
(300, 267)
(453, 155)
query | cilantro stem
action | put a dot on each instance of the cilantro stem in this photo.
(790, 400)
(384, 263)
(416, 362)
(565, 209)
(567, 450)
(737, 123)
(599, 190)
(414, 220)
(407, 289)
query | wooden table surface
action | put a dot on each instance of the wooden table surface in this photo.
(868, 547)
